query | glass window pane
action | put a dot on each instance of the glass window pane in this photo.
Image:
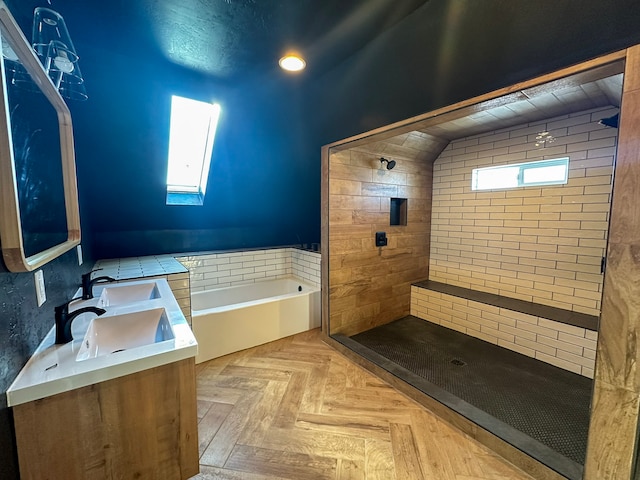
(543, 172)
(496, 177)
(192, 132)
(213, 125)
(554, 173)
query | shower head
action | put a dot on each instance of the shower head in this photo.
(610, 121)
(390, 163)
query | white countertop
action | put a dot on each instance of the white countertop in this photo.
(54, 369)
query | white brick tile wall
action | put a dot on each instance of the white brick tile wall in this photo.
(539, 244)
(306, 265)
(565, 346)
(217, 270)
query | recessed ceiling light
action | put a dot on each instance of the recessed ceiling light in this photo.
(292, 63)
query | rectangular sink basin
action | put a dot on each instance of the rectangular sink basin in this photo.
(108, 335)
(123, 294)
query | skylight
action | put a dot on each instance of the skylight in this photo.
(543, 172)
(191, 136)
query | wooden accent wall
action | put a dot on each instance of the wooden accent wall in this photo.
(615, 406)
(369, 285)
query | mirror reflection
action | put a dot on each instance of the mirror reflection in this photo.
(39, 217)
(35, 140)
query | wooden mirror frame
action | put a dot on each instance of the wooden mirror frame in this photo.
(11, 236)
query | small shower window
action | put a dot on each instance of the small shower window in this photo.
(191, 136)
(543, 172)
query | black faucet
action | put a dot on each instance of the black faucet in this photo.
(64, 319)
(87, 283)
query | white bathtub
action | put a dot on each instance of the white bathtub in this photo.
(227, 320)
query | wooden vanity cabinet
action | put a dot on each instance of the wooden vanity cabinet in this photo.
(139, 426)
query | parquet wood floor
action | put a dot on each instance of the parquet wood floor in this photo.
(296, 409)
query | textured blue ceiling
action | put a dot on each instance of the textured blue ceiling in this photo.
(227, 39)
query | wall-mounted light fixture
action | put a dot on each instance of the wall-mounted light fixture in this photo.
(390, 163)
(53, 45)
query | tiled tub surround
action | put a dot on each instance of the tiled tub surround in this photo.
(153, 266)
(219, 270)
(539, 244)
(136, 267)
(566, 346)
(236, 301)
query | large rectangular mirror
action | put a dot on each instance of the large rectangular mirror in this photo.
(39, 218)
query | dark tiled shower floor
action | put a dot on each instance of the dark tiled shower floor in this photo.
(547, 404)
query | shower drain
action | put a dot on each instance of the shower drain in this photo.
(457, 362)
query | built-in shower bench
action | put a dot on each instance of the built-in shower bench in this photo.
(564, 338)
(590, 322)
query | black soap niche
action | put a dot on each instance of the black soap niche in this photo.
(398, 211)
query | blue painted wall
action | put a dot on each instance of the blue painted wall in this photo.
(262, 190)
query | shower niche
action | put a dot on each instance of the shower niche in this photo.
(398, 212)
(433, 194)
